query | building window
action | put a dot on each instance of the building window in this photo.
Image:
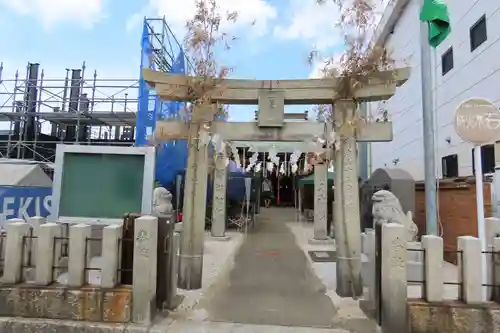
(447, 61)
(449, 165)
(487, 159)
(478, 33)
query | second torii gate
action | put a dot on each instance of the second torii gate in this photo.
(271, 97)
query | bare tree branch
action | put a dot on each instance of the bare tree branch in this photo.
(203, 40)
(361, 57)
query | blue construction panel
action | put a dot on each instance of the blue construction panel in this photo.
(24, 202)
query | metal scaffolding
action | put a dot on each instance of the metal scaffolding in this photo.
(40, 111)
(165, 45)
(36, 112)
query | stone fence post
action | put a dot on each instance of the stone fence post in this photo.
(144, 269)
(492, 226)
(433, 261)
(394, 286)
(111, 236)
(15, 246)
(496, 270)
(368, 269)
(35, 222)
(470, 267)
(45, 244)
(79, 256)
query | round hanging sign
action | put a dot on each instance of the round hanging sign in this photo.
(477, 121)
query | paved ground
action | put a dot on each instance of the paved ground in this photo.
(218, 257)
(268, 286)
(271, 282)
(348, 315)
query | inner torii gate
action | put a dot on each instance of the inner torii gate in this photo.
(271, 97)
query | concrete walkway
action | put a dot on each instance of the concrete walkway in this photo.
(272, 282)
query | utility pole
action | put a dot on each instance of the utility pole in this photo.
(428, 129)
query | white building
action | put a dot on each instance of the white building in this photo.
(465, 65)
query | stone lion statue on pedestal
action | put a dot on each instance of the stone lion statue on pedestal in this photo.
(387, 209)
(162, 201)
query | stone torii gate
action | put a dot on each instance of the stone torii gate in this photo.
(271, 97)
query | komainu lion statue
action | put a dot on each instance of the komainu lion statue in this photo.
(162, 201)
(387, 209)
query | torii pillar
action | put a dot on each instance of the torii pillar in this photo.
(346, 207)
(195, 197)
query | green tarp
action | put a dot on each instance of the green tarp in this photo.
(309, 180)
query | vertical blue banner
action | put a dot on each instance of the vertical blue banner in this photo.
(172, 156)
(147, 101)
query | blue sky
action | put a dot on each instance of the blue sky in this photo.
(106, 34)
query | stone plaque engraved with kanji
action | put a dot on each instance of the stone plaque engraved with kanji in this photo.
(271, 108)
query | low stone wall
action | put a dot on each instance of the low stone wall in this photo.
(82, 304)
(405, 264)
(453, 317)
(50, 271)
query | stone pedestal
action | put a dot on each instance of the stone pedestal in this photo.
(329, 241)
(221, 238)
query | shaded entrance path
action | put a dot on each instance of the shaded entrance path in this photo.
(271, 282)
